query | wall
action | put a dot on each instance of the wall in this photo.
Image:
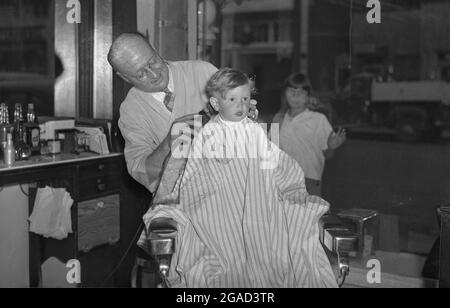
(14, 238)
(173, 27)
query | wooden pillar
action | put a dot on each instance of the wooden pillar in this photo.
(86, 59)
(124, 20)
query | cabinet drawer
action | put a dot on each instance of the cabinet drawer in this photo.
(98, 222)
(98, 178)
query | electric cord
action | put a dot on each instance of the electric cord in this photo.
(23, 191)
(341, 280)
(127, 251)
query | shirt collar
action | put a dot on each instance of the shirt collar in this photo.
(170, 86)
(159, 96)
(300, 115)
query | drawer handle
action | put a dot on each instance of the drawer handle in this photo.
(101, 187)
(101, 167)
(100, 204)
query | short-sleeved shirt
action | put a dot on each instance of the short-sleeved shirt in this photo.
(305, 137)
(145, 121)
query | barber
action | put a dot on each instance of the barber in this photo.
(163, 93)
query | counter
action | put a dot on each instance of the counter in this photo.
(8, 174)
(106, 214)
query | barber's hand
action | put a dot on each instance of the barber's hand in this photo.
(185, 126)
(253, 112)
(335, 140)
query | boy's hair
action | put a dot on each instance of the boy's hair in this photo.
(224, 80)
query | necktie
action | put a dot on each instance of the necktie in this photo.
(169, 100)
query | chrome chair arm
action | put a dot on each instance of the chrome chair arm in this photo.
(340, 240)
(162, 233)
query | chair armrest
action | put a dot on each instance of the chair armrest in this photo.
(336, 236)
(163, 225)
(162, 233)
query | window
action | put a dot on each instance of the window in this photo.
(380, 81)
(27, 58)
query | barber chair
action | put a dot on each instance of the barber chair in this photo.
(340, 242)
(153, 271)
(336, 237)
(437, 266)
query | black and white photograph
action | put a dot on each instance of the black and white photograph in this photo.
(225, 149)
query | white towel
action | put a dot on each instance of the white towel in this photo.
(51, 213)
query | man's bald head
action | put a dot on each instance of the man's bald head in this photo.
(127, 46)
(137, 62)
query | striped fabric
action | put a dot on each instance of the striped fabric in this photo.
(244, 222)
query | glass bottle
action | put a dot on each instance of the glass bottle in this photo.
(9, 151)
(5, 127)
(33, 131)
(23, 151)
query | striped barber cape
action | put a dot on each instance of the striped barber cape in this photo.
(245, 221)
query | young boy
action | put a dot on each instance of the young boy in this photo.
(244, 217)
(231, 133)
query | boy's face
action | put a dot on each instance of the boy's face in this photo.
(235, 106)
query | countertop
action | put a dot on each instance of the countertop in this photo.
(50, 160)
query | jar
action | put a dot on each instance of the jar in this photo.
(54, 146)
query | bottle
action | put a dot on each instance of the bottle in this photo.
(23, 151)
(9, 151)
(31, 117)
(33, 131)
(17, 122)
(2, 131)
(5, 127)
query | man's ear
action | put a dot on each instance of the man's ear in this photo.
(123, 77)
(214, 103)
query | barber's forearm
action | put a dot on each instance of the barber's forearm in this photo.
(154, 161)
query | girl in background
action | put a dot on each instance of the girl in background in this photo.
(306, 135)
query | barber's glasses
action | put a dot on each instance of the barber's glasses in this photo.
(149, 69)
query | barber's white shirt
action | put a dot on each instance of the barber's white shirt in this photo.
(305, 137)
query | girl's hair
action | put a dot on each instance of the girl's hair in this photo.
(296, 81)
(224, 80)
